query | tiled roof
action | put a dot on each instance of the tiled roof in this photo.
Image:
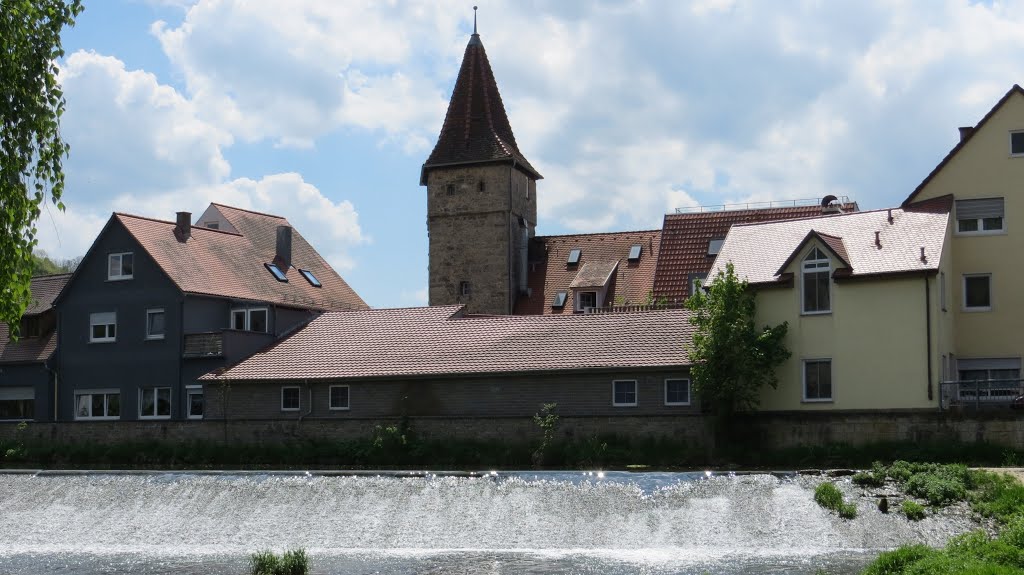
(832, 243)
(1015, 89)
(44, 290)
(225, 264)
(549, 272)
(476, 127)
(685, 237)
(594, 274)
(758, 251)
(405, 343)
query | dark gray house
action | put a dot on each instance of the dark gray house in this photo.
(439, 361)
(155, 304)
(27, 371)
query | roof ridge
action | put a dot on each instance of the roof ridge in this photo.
(52, 276)
(249, 211)
(168, 222)
(753, 210)
(821, 216)
(650, 231)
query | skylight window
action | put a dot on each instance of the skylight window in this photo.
(574, 256)
(715, 246)
(559, 299)
(310, 278)
(278, 274)
(634, 252)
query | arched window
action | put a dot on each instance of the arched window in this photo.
(815, 281)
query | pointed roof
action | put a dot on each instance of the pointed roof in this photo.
(476, 128)
(833, 244)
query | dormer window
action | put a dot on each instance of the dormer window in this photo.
(310, 278)
(574, 256)
(276, 271)
(715, 246)
(1017, 143)
(634, 252)
(585, 299)
(254, 319)
(120, 266)
(559, 301)
(815, 283)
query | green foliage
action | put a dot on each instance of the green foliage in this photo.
(941, 484)
(913, 510)
(828, 496)
(998, 496)
(263, 563)
(547, 420)
(868, 479)
(31, 148)
(896, 561)
(732, 359)
(42, 264)
(289, 563)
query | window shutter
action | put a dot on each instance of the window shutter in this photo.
(16, 393)
(992, 363)
(977, 209)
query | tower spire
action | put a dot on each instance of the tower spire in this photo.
(474, 21)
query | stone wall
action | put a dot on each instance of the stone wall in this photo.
(769, 431)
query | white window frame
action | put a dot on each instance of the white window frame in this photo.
(156, 402)
(191, 390)
(803, 380)
(579, 300)
(805, 271)
(963, 285)
(981, 231)
(636, 392)
(103, 318)
(689, 391)
(299, 395)
(120, 275)
(247, 311)
(1010, 142)
(160, 310)
(106, 404)
(348, 396)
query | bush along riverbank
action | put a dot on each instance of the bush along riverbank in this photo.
(995, 498)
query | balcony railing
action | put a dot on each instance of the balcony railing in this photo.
(983, 394)
(629, 308)
(209, 344)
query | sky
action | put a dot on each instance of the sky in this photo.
(324, 111)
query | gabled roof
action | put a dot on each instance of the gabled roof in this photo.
(388, 343)
(45, 289)
(34, 349)
(759, 251)
(1016, 89)
(831, 243)
(226, 264)
(685, 238)
(549, 272)
(476, 128)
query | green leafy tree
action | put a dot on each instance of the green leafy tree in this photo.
(31, 148)
(732, 359)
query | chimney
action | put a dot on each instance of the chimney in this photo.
(890, 216)
(965, 132)
(878, 240)
(283, 254)
(924, 258)
(183, 226)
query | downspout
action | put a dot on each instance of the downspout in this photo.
(928, 332)
(182, 397)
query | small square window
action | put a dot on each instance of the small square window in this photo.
(559, 300)
(276, 271)
(574, 256)
(818, 380)
(120, 266)
(585, 299)
(310, 278)
(1017, 143)
(249, 319)
(212, 225)
(634, 252)
(677, 392)
(715, 246)
(103, 327)
(339, 398)
(624, 393)
(978, 292)
(155, 324)
(290, 399)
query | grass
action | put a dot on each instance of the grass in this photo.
(912, 510)
(289, 563)
(828, 496)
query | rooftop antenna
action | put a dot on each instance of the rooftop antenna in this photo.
(474, 20)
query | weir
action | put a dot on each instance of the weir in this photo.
(667, 522)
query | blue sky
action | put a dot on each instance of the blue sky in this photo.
(323, 112)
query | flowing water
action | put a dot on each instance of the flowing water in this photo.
(507, 523)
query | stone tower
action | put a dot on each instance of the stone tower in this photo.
(481, 197)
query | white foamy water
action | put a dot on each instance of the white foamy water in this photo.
(534, 523)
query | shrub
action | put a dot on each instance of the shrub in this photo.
(940, 485)
(913, 510)
(289, 563)
(896, 561)
(999, 496)
(263, 563)
(828, 496)
(868, 479)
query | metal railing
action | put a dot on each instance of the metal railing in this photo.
(982, 394)
(843, 200)
(630, 308)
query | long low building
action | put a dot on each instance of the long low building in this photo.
(442, 361)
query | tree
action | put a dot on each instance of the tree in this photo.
(732, 360)
(31, 148)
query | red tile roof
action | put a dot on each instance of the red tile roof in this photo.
(44, 290)
(685, 238)
(404, 343)
(549, 273)
(1015, 89)
(34, 349)
(476, 127)
(226, 264)
(758, 251)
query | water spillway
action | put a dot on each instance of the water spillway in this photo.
(507, 523)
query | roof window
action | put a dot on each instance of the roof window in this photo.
(634, 252)
(574, 256)
(310, 278)
(559, 300)
(278, 274)
(715, 246)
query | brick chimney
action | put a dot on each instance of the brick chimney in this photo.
(283, 254)
(183, 226)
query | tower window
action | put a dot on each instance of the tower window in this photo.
(481, 186)
(450, 189)
(464, 288)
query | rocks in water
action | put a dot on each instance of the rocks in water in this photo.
(883, 504)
